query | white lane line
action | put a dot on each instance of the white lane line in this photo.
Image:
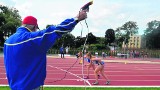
(111, 80)
(113, 75)
(95, 86)
(3, 78)
(105, 71)
(71, 74)
(128, 87)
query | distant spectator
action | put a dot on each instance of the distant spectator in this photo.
(96, 54)
(142, 54)
(145, 55)
(67, 49)
(103, 55)
(62, 52)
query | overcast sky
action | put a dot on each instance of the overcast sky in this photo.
(104, 14)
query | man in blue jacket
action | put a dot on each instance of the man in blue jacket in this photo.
(25, 51)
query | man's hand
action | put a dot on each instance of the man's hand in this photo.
(82, 15)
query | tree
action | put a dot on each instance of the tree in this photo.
(152, 34)
(125, 31)
(110, 36)
(1, 38)
(119, 37)
(9, 20)
(100, 40)
(100, 45)
(65, 40)
(2, 21)
(79, 41)
(91, 39)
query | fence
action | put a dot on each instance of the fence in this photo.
(151, 53)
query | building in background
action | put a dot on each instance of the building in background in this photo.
(135, 42)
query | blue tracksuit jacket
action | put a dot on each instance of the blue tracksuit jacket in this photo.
(25, 54)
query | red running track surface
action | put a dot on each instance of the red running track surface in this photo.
(119, 71)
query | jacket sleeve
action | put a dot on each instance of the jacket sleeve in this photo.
(46, 38)
(66, 26)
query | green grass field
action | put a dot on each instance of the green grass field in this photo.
(87, 88)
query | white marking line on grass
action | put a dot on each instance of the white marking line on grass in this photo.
(71, 74)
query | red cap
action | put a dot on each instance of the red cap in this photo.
(30, 20)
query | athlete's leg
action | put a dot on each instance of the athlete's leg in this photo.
(98, 68)
(104, 75)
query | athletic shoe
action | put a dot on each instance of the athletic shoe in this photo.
(95, 83)
(107, 83)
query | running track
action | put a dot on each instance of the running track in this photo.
(121, 72)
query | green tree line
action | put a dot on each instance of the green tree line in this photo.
(10, 20)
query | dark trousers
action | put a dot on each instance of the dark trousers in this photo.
(62, 55)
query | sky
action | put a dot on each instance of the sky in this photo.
(103, 14)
